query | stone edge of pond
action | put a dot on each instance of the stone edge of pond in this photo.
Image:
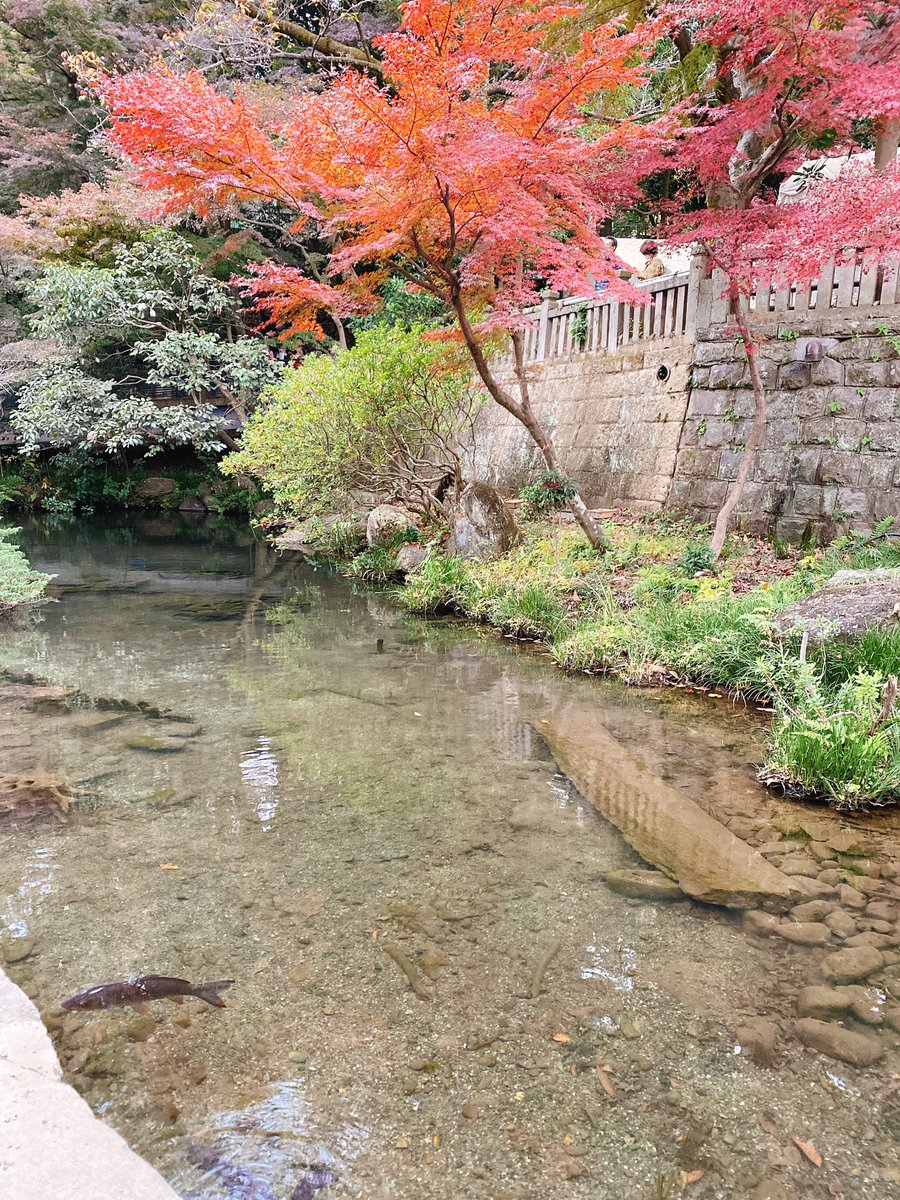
(51, 1144)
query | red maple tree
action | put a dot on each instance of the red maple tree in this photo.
(790, 78)
(468, 173)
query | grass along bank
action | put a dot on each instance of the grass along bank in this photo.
(652, 612)
(19, 585)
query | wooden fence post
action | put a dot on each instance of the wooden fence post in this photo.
(543, 329)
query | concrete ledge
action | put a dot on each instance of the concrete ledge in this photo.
(51, 1144)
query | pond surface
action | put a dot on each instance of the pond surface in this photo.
(363, 794)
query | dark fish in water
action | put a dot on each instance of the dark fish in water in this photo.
(147, 987)
(241, 1184)
(310, 1183)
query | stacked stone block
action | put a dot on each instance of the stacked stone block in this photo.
(831, 456)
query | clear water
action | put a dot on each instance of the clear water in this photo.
(362, 779)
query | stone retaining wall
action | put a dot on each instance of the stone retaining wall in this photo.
(830, 456)
(829, 461)
(617, 426)
(52, 1147)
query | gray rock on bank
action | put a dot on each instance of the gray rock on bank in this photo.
(849, 604)
(385, 524)
(481, 525)
(51, 1144)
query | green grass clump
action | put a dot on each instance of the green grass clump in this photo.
(837, 742)
(19, 585)
(376, 565)
(532, 611)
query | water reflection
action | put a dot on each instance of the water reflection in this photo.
(259, 771)
(360, 780)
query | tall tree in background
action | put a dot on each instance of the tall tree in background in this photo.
(468, 173)
(791, 78)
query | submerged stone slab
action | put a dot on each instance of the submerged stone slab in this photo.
(51, 1144)
(643, 885)
(849, 604)
(664, 825)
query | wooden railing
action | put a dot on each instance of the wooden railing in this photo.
(841, 285)
(578, 325)
(681, 304)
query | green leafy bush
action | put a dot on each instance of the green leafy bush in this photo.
(837, 742)
(696, 557)
(19, 585)
(382, 418)
(550, 492)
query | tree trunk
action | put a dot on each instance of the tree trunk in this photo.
(592, 530)
(757, 429)
(523, 413)
(887, 139)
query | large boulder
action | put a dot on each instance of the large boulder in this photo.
(154, 487)
(481, 526)
(849, 604)
(385, 524)
(410, 557)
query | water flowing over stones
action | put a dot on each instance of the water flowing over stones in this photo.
(665, 826)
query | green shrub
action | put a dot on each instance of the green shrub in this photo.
(338, 542)
(19, 585)
(550, 492)
(439, 585)
(696, 557)
(380, 418)
(838, 743)
(376, 565)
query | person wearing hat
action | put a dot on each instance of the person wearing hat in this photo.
(653, 265)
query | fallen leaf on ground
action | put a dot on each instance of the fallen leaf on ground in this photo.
(690, 1177)
(768, 1123)
(561, 1037)
(808, 1150)
(605, 1082)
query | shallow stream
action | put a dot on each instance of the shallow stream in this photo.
(357, 782)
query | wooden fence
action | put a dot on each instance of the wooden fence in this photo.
(576, 325)
(681, 304)
(841, 285)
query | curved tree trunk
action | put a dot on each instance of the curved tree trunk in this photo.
(522, 411)
(757, 429)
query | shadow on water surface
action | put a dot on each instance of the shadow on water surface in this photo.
(363, 801)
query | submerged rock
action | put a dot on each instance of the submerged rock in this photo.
(759, 1041)
(852, 964)
(850, 603)
(664, 825)
(826, 1003)
(481, 526)
(644, 885)
(156, 745)
(805, 933)
(857, 1049)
